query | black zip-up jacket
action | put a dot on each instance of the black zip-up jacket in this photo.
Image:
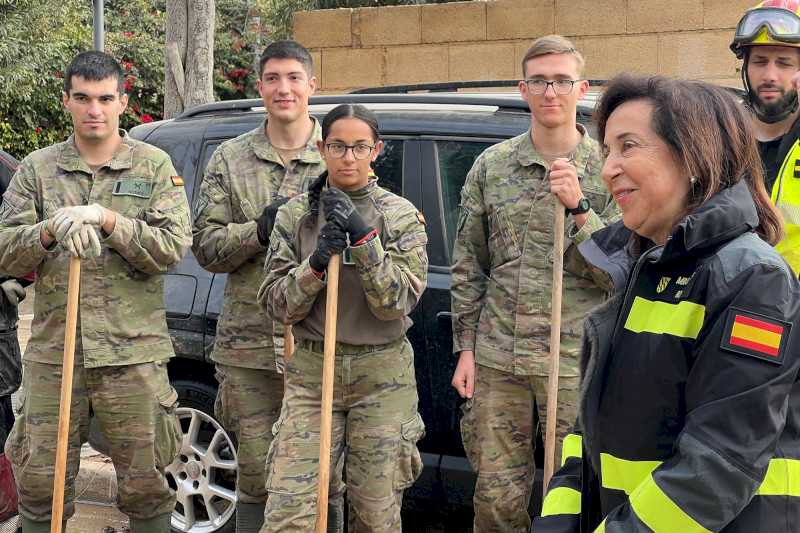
(10, 364)
(690, 406)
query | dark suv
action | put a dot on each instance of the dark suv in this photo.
(431, 141)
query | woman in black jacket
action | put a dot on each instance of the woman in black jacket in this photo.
(690, 410)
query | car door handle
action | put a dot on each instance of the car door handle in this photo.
(444, 316)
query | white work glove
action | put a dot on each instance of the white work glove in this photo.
(67, 220)
(14, 292)
(83, 243)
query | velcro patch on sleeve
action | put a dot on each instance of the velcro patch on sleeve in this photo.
(177, 181)
(756, 335)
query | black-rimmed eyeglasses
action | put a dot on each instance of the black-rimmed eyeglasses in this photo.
(360, 151)
(559, 86)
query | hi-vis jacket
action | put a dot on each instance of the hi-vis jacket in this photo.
(785, 195)
(690, 407)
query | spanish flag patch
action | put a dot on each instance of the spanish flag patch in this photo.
(177, 181)
(756, 335)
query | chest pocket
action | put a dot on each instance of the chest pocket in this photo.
(597, 197)
(130, 196)
(503, 239)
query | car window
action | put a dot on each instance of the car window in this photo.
(454, 159)
(389, 166)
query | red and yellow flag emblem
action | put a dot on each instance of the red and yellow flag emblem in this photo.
(755, 335)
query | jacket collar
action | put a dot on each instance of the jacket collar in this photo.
(728, 214)
(527, 154)
(70, 160)
(264, 149)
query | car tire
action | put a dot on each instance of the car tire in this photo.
(205, 469)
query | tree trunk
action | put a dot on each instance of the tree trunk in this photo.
(189, 62)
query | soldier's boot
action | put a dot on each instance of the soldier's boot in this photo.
(159, 524)
(249, 517)
(29, 526)
(336, 514)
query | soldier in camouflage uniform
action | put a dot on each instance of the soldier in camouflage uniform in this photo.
(383, 276)
(119, 205)
(502, 279)
(246, 179)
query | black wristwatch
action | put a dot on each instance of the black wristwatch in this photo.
(582, 207)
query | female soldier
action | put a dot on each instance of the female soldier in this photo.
(382, 242)
(690, 410)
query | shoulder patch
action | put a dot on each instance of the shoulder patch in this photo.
(756, 335)
(177, 181)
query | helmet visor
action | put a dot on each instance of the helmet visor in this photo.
(781, 24)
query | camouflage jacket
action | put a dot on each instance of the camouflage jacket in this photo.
(121, 316)
(380, 281)
(245, 175)
(502, 260)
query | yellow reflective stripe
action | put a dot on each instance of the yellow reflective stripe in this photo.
(602, 527)
(624, 475)
(659, 513)
(572, 447)
(785, 196)
(789, 246)
(683, 319)
(783, 478)
(561, 500)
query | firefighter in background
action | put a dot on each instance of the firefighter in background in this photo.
(767, 39)
(689, 415)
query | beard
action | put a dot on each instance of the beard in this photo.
(777, 110)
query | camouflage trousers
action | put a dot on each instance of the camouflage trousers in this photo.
(375, 432)
(248, 405)
(135, 407)
(499, 430)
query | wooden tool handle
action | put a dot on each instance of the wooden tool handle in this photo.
(62, 442)
(288, 345)
(328, 360)
(555, 343)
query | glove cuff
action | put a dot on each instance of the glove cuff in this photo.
(360, 234)
(316, 264)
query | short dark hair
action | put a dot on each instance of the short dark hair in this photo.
(94, 66)
(287, 50)
(707, 131)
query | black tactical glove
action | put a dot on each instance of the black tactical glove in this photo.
(340, 210)
(332, 240)
(267, 220)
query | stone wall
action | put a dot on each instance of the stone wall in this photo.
(479, 40)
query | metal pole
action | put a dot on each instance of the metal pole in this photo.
(98, 25)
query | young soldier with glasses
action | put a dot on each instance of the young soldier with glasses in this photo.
(502, 277)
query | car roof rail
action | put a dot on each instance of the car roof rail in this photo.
(224, 105)
(449, 86)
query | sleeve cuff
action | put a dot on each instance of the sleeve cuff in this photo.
(37, 240)
(122, 234)
(464, 340)
(308, 280)
(592, 224)
(368, 254)
(250, 236)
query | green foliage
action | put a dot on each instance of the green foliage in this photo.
(38, 38)
(31, 60)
